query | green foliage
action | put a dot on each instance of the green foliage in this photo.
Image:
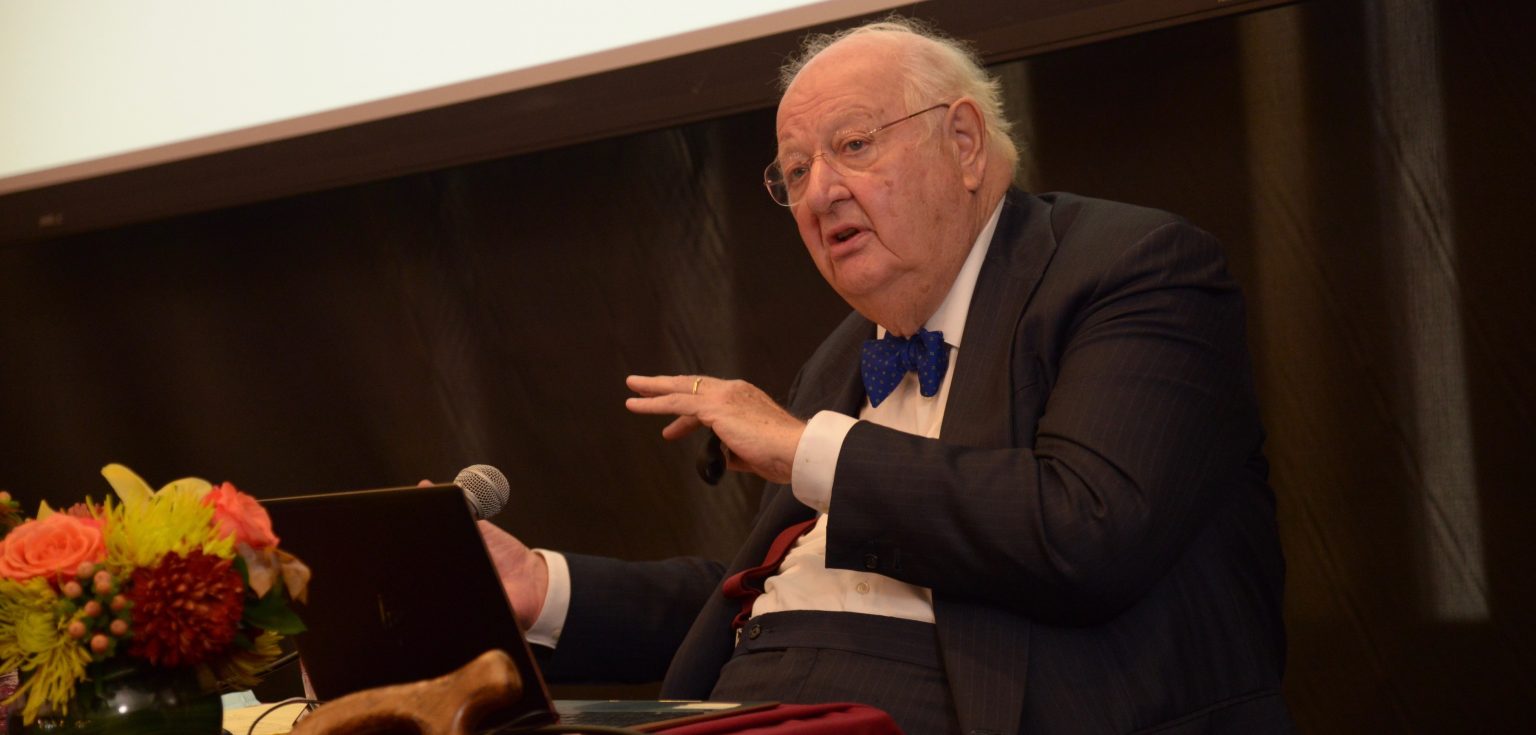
(273, 613)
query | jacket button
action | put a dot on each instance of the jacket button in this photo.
(755, 631)
(871, 561)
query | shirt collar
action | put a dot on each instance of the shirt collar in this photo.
(949, 318)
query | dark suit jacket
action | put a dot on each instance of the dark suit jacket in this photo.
(1094, 522)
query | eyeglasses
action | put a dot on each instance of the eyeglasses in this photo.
(852, 150)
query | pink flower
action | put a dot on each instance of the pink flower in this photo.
(53, 546)
(238, 514)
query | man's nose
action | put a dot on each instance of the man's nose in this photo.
(825, 185)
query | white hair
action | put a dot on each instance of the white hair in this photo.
(939, 69)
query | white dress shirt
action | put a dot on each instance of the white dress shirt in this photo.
(803, 581)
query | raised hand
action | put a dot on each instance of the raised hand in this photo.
(760, 434)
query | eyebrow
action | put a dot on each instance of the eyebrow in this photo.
(847, 127)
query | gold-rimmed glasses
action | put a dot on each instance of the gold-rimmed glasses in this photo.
(851, 150)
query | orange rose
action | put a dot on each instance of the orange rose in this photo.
(54, 546)
(239, 514)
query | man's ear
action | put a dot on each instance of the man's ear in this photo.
(968, 134)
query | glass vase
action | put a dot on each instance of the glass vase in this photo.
(131, 701)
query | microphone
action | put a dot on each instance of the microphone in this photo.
(485, 488)
(712, 458)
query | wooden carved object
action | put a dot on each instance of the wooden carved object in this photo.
(452, 704)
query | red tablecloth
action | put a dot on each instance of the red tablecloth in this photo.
(800, 719)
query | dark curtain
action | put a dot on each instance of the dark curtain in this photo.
(1364, 162)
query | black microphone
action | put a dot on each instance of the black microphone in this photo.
(485, 488)
(712, 459)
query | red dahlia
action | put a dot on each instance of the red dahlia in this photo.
(186, 609)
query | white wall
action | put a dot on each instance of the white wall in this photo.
(94, 87)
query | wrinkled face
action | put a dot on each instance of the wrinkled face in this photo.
(881, 232)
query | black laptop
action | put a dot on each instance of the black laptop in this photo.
(404, 590)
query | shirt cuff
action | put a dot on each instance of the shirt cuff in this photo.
(557, 602)
(816, 458)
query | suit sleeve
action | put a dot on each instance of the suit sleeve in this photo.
(1148, 422)
(627, 618)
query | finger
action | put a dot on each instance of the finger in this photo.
(674, 403)
(680, 427)
(425, 483)
(655, 385)
(492, 533)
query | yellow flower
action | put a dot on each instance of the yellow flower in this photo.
(172, 520)
(133, 490)
(148, 524)
(34, 640)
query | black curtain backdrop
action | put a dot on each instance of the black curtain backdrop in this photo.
(1364, 162)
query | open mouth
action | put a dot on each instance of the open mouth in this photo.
(845, 234)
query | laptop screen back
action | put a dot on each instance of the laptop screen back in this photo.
(403, 590)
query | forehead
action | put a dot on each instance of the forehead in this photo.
(852, 83)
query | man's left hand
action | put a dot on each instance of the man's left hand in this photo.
(760, 434)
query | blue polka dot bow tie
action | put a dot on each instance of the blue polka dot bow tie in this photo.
(886, 361)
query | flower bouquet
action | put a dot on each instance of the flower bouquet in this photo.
(187, 579)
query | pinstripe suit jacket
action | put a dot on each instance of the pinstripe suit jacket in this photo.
(1095, 521)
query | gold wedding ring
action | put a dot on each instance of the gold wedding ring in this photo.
(696, 382)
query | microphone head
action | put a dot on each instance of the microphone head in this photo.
(485, 488)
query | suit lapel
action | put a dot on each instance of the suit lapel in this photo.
(980, 392)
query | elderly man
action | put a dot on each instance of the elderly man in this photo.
(1023, 482)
